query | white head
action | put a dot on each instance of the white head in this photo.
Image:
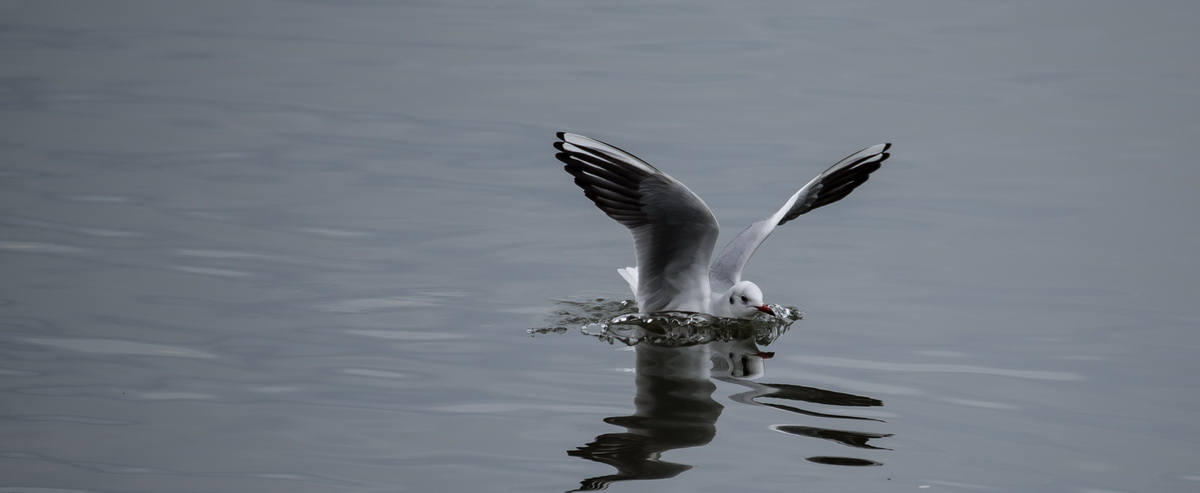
(741, 359)
(746, 300)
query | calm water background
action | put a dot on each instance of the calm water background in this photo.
(295, 246)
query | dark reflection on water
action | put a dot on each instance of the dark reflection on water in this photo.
(674, 410)
(843, 461)
(677, 358)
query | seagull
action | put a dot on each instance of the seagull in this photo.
(674, 232)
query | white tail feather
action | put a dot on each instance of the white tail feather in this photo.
(630, 275)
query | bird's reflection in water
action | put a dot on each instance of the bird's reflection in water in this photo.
(798, 395)
(674, 409)
(677, 360)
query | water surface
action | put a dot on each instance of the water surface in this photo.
(298, 245)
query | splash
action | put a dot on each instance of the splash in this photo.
(615, 321)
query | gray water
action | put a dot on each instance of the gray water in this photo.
(298, 245)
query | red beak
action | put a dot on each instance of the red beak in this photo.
(765, 309)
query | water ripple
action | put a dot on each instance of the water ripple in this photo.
(935, 368)
(365, 305)
(333, 232)
(979, 403)
(39, 247)
(23, 489)
(97, 199)
(77, 229)
(405, 335)
(706, 47)
(85, 420)
(116, 346)
(115, 468)
(122, 393)
(12, 372)
(210, 271)
(369, 372)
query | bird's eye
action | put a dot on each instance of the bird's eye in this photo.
(731, 300)
(745, 299)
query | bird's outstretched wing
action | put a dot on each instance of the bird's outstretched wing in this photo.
(831, 186)
(673, 230)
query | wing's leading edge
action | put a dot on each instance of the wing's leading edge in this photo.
(830, 186)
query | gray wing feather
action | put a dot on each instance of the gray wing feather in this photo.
(673, 230)
(829, 187)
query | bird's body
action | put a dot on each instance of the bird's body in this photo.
(674, 232)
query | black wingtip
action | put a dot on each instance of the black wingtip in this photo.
(564, 158)
(840, 179)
